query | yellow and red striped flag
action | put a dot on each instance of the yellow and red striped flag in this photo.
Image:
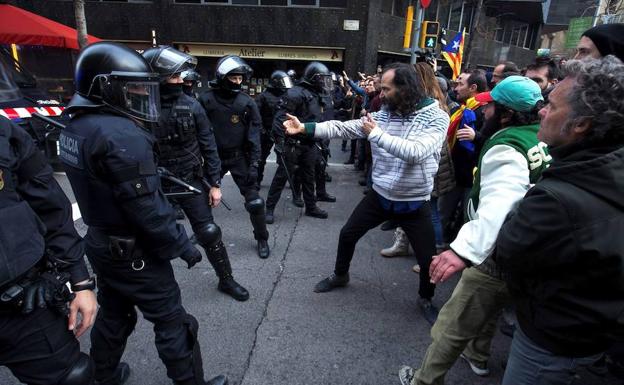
(453, 53)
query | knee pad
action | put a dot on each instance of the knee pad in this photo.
(81, 373)
(208, 235)
(255, 206)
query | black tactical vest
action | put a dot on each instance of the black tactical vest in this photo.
(230, 121)
(268, 109)
(178, 147)
(21, 231)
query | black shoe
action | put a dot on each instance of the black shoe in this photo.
(120, 376)
(325, 198)
(193, 239)
(230, 287)
(388, 225)
(429, 311)
(362, 181)
(263, 249)
(297, 201)
(328, 177)
(349, 161)
(316, 212)
(219, 380)
(331, 282)
(268, 217)
(179, 213)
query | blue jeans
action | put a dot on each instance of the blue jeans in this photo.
(435, 219)
(530, 364)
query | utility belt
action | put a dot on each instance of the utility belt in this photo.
(122, 247)
(43, 284)
(298, 142)
(231, 153)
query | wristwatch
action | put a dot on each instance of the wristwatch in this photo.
(89, 285)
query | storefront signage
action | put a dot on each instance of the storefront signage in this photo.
(264, 52)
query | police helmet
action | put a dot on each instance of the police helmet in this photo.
(168, 61)
(280, 80)
(8, 88)
(317, 75)
(113, 75)
(190, 75)
(292, 73)
(231, 65)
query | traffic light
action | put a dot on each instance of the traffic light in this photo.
(429, 34)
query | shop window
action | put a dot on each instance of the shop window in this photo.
(281, 3)
(245, 2)
(303, 2)
(333, 3)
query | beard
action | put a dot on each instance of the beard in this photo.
(391, 103)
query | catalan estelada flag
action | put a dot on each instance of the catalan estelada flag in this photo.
(457, 117)
(453, 53)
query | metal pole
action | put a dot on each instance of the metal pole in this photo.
(416, 33)
(473, 31)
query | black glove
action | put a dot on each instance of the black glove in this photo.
(48, 290)
(193, 258)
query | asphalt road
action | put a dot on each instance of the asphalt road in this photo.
(286, 334)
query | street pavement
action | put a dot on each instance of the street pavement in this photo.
(286, 334)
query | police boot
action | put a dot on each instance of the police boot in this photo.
(325, 197)
(217, 255)
(257, 215)
(263, 249)
(218, 380)
(268, 216)
(119, 377)
(296, 199)
(316, 212)
(400, 247)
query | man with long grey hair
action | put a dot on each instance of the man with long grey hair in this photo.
(562, 253)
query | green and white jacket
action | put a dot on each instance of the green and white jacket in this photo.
(509, 164)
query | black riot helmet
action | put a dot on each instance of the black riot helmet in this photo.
(168, 61)
(113, 75)
(317, 75)
(280, 80)
(232, 65)
(8, 88)
(292, 73)
(190, 75)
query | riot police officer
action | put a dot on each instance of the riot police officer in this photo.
(187, 148)
(191, 79)
(305, 100)
(108, 155)
(40, 251)
(267, 102)
(237, 123)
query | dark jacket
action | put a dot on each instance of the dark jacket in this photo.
(562, 253)
(465, 160)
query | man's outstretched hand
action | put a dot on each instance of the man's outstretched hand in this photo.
(445, 265)
(293, 126)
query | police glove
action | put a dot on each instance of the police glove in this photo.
(193, 258)
(48, 290)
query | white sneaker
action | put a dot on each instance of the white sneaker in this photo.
(479, 369)
(401, 246)
(406, 375)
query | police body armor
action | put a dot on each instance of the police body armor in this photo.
(94, 195)
(267, 112)
(178, 148)
(230, 122)
(311, 110)
(21, 230)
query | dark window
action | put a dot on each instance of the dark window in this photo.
(245, 2)
(400, 8)
(188, 1)
(386, 6)
(274, 2)
(216, 1)
(333, 3)
(303, 2)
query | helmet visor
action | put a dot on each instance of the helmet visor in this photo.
(133, 94)
(234, 65)
(323, 83)
(171, 61)
(8, 88)
(285, 82)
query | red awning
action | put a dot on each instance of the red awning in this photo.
(26, 28)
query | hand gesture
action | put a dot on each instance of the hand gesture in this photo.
(345, 76)
(368, 124)
(444, 265)
(293, 126)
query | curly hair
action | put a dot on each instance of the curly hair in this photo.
(409, 87)
(598, 96)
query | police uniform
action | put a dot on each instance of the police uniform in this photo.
(299, 152)
(267, 105)
(187, 148)
(36, 227)
(237, 124)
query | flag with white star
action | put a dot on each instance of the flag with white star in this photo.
(453, 53)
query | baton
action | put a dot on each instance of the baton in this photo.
(290, 181)
(164, 173)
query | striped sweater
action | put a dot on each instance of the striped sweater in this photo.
(406, 149)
